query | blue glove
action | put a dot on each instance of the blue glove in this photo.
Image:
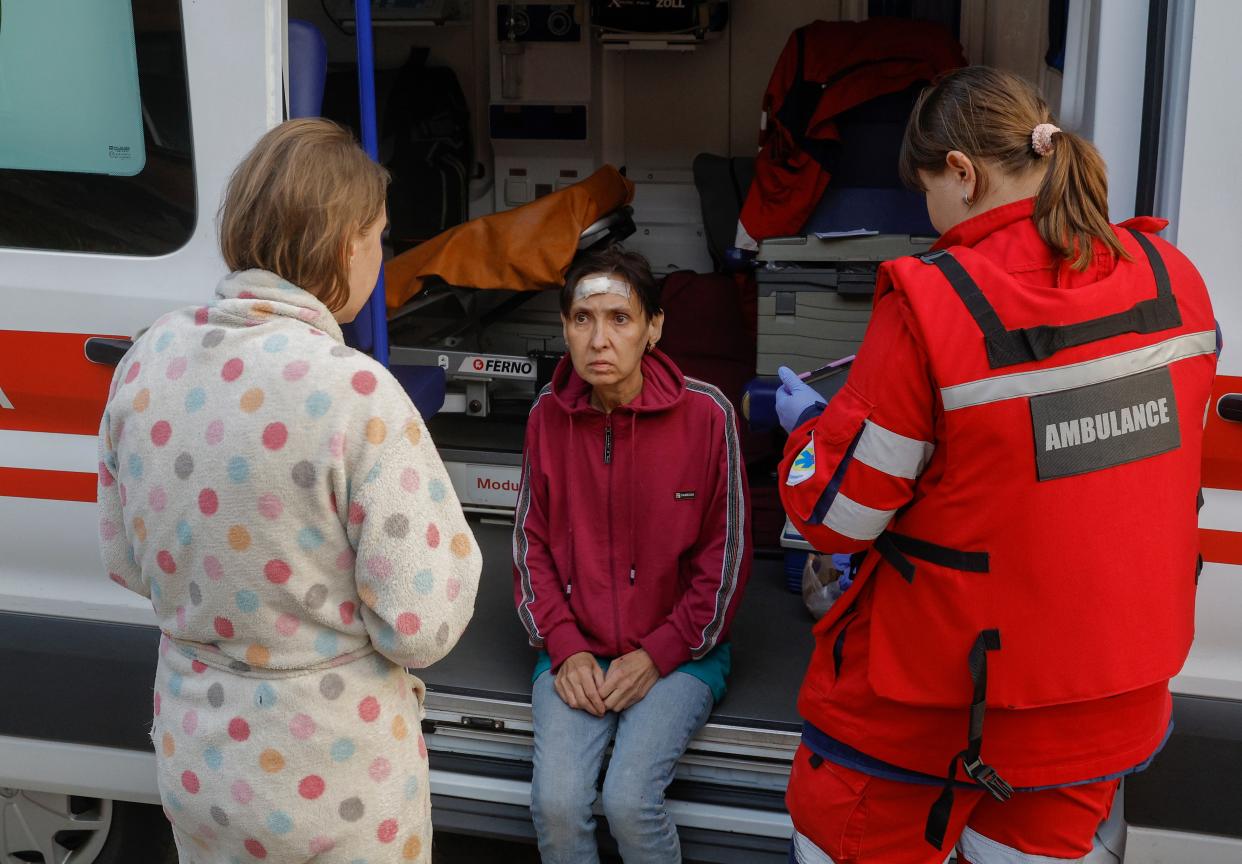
(844, 564)
(796, 401)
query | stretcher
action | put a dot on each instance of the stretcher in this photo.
(447, 296)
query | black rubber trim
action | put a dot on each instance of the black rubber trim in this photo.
(480, 766)
(1153, 106)
(1193, 784)
(754, 723)
(83, 682)
(728, 796)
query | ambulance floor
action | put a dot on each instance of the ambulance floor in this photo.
(771, 643)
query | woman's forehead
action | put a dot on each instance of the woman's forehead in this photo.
(602, 304)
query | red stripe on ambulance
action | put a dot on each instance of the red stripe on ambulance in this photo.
(1222, 441)
(1220, 547)
(48, 485)
(50, 383)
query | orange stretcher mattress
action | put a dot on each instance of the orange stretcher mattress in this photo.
(528, 248)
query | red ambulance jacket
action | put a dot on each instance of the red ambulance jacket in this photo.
(1025, 468)
(826, 68)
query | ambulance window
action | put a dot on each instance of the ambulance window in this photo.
(95, 147)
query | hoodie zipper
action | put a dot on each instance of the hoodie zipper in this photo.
(612, 577)
(630, 494)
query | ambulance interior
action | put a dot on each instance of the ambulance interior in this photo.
(671, 94)
(506, 103)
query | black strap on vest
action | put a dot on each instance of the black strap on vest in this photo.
(976, 769)
(894, 548)
(1028, 344)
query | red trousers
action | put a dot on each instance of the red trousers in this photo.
(854, 818)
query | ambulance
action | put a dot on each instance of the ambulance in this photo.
(120, 122)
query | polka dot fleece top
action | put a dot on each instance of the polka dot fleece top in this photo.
(277, 497)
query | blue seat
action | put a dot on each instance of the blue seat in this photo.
(865, 190)
(308, 69)
(425, 386)
(888, 210)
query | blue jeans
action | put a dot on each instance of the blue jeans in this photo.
(650, 737)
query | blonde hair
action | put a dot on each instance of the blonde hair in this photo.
(991, 115)
(296, 200)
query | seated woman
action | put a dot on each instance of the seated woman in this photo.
(631, 549)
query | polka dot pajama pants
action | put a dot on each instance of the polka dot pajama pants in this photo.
(329, 763)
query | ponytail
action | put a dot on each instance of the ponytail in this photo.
(1071, 209)
(991, 116)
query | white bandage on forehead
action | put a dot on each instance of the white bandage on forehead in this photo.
(601, 284)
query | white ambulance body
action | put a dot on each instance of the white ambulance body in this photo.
(99, 245)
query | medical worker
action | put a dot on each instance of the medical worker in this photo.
(1014, 461)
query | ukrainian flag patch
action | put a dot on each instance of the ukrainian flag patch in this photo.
(803, 465)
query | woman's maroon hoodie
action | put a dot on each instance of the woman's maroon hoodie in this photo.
(631, 527)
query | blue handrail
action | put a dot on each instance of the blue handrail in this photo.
(370, 142)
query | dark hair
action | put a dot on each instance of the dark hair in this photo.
(614, 260)
(989, 115)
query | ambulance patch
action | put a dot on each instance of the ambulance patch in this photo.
(803, 465)
(1102, 425)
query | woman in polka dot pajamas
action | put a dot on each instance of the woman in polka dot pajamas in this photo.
(277, 497)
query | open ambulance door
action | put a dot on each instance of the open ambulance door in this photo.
(1185, 168)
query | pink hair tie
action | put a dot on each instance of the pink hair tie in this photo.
(1041, 138)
